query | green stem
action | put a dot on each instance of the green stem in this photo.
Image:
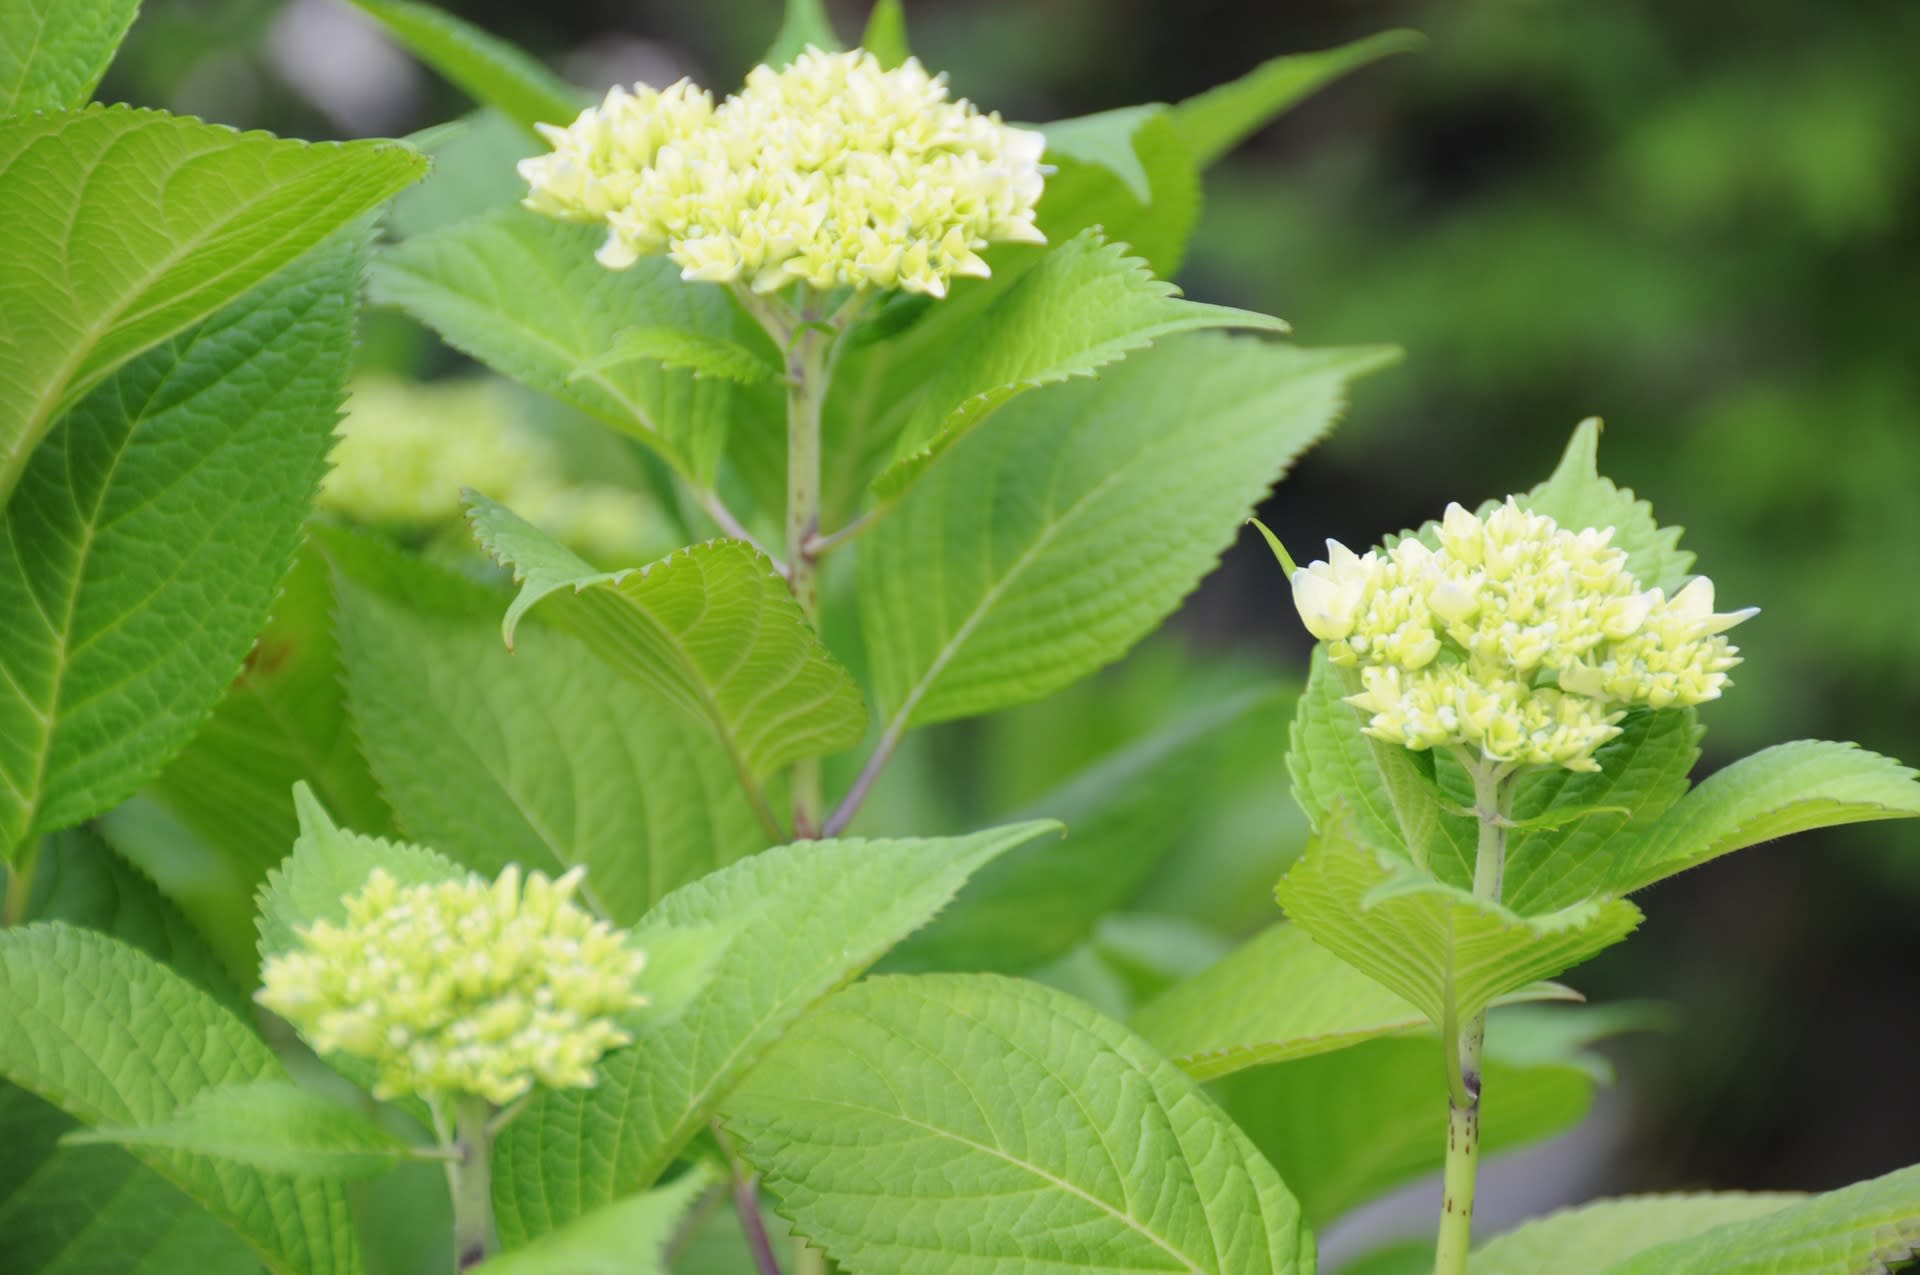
(1465, 1044)
(470, 1179)
(19, 886)
(806, 394)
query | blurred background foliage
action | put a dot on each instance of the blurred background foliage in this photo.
(1697, 221)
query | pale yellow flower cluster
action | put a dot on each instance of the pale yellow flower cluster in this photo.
(462, 987)
(833, 172)
(1516, 638)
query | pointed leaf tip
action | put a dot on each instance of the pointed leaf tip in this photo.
(1279, 550)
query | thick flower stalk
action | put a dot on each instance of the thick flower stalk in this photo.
(1516, 640)
(832, 172)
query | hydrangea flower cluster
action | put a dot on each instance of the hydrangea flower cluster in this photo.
(833, 172)
(1516, 638)
(462, 987)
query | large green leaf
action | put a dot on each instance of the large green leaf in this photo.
(65, 1210)
(1778, 791)
(126, 227)
(998, 1125)
(1123, 816)
(1343, 1128)
(486, 68)
(712, 630)
(142, 549)
(523, 294)
(1086, 305)
(53, 52)
(1017, 566)
(1449, 953)
(1865, 1229)
(627, 1237)
(541, 756)
(1213, 123)
(1576, 496)
(273, 1125)
(1592, 1238)
(113, 1037)
(806, 918)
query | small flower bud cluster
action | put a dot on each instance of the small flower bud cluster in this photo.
(1516, 637)
(833, 172)
(461, 987)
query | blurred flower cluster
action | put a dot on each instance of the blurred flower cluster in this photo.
(1512, 636)
(833, 172)
(462, 987)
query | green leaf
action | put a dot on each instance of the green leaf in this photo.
(1016, 566)
(523, 294)
(1577, 497)
(113, 1037)
(475, 170)
(628, 1237)
(271, 1125)
(486, 68)
(806, 23)
(998, 1125)
(541, 757)
(1123, 815)
(1087, 305)
(1865, 1229)
(692, 352)
(66, 1210)
(128, 226)
(1409, 1257)
(1214, 122)
(1592, 1238)
(806, 919)
(886, 33)
(1344, 1128)
(1777, 791)
(712, 630)
(53, 52)
(141, 551)
(1447, 952)
(328, 864)
(1106, 139)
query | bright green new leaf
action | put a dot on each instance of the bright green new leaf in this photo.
(627, 1237)
(1123, 815)
(1577, 497)
(329, 863)
(523, 294)
(486, 68)
(681, 350)
(65, 1210)
(1107, 139)
(541, 756)
(712, 630)
(1017, 565)
(126, 227)
(53, 52)
(999, 1125)
(1865, 1229)
(806, 23)
(1449, 953)
(113, 1037)
(142, 549)
(271, 1125)
(1345, 1128)
(1592, 1238)
(1214, 122)
(1086, 305)
(886, 33)
(806, 919)
(1777, 791)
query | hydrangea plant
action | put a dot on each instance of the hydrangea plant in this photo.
(377, 901)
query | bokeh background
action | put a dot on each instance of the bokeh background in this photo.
(1695, 220)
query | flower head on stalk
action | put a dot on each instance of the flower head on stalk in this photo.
(1514, 637)
(462, 988)
(833, 172)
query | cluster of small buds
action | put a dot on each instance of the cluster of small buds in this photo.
(833, 172)
(1517, 638)
(462, 987)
